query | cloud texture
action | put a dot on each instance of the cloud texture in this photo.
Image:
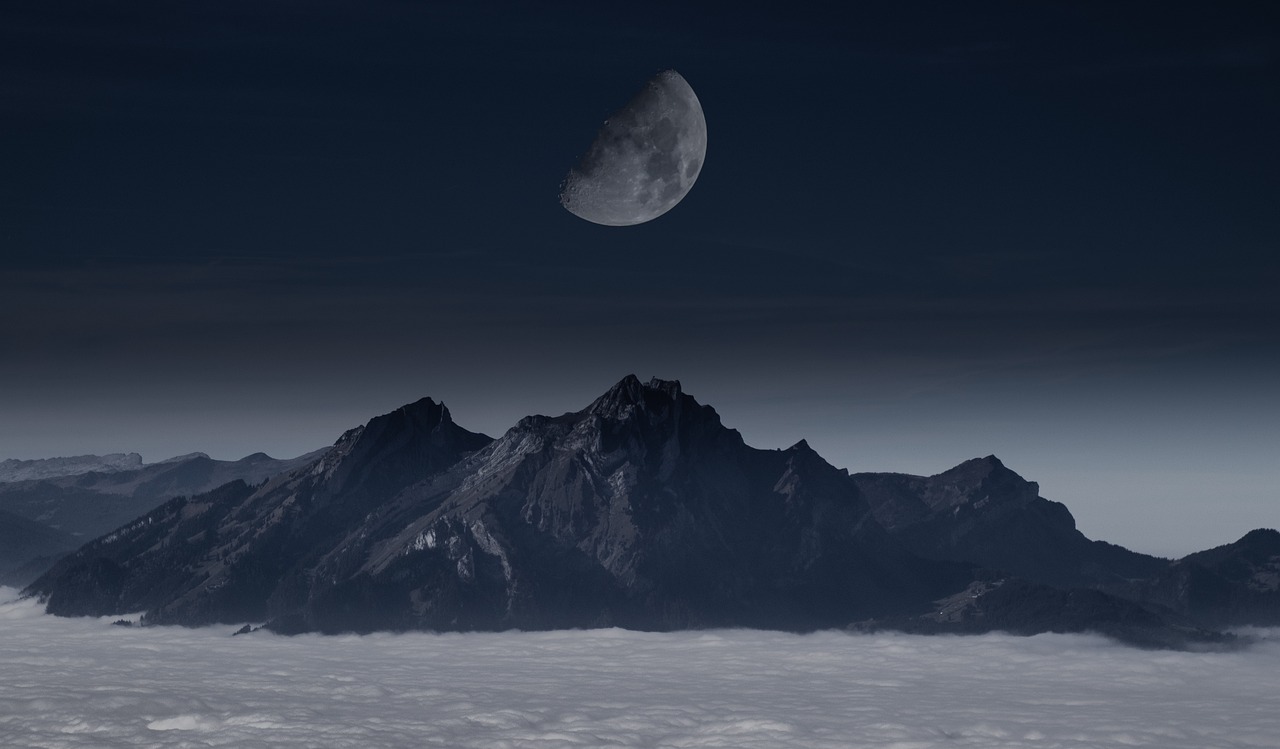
(84, 683)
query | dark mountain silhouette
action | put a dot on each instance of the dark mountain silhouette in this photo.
(641, 510)
(100, 493)
(984, 513)
(1233, 584)
(28, 548)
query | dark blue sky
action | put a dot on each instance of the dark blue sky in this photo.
(924, 232)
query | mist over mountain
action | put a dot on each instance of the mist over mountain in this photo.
(641, 510)
(29, 547)
(54, 505)
(43, 468)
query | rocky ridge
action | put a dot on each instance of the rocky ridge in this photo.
(642, 510)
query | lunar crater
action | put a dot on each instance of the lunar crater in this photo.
(645, 158)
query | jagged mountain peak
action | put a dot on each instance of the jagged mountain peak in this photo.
(654, 417)
(423, 417)
(629, 394)
(391, 449)
(654, 424)
(977, 468)
(656, 400)
(670, 387)
(978, 478)
(628, 390)
(426, 409)
(801, 454)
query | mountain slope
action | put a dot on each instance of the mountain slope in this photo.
(219, 556)
(982, 512)
(1234, 584)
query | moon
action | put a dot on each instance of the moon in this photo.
(644, 160)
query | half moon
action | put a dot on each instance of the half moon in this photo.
(644, 160)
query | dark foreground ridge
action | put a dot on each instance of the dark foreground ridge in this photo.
(642, 511)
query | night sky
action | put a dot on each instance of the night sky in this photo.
(924, 232)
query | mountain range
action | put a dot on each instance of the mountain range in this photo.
(46, 468)
(50, 507)
(643, 511)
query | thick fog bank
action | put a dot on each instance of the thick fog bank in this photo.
(85, 683)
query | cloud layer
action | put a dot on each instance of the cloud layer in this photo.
(84, 683)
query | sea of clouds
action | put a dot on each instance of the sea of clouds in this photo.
(86, 683)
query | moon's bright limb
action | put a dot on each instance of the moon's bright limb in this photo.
(645, 159)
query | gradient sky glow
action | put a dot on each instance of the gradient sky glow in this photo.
(924, 233)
